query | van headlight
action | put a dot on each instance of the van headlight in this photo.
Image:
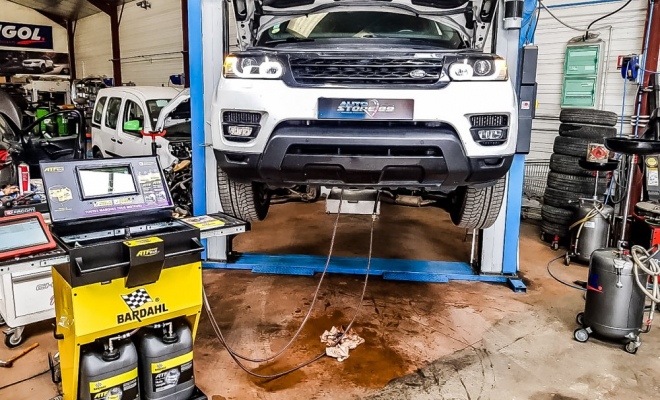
(479, 69)
(252, 67)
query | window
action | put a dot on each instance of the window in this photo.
(112, 112)
(154, 107)
(98, 111)
(133, 112)
(363, 25)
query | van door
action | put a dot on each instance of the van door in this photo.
(130, 140)
(100, 138)
(110, 124)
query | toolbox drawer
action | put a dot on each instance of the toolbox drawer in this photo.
(32, 291)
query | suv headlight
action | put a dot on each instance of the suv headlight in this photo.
(479, 69)
(252, 67)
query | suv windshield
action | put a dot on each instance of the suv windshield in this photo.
(362, 24)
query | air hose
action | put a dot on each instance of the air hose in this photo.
(595, 211)
(644, 261)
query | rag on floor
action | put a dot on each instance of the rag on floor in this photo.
(339, 343)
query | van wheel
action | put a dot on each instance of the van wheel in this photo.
(246, 201)
(96, 153)
(474, 208)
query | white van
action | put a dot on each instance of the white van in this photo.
(122, 114)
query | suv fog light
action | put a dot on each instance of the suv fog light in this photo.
(490, 134)
(240, 130)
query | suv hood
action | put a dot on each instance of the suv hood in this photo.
(257, 15)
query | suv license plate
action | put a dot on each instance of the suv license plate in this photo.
(389, 109)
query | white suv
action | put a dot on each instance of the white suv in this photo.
(379, 94)
(122, 114)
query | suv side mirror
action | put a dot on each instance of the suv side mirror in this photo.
(132, 125)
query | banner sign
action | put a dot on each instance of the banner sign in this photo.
(33, 62)
(26, 36)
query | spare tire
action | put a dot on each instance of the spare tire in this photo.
(557, 215)
(562, 199)
(594, 132)
(576, 184)
(568, 165)
(588, 116)
(571, 146)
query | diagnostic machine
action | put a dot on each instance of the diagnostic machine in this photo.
(128, 301)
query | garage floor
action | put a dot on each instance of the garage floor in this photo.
(423, 341)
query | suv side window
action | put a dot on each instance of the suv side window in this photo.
(98, 111)
(112, 112)
(133, 112)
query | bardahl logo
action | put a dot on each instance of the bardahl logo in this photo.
(54, 169)
(148, 252)
(139, 303)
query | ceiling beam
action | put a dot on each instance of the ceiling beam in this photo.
(55, 18)
(104, 6)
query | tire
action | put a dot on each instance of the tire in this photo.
(96, 153)
(247, 201)
(553, 229)
(594, 132)
(576, 184)
(42, 68)
(12, 341)
(562, 199)
(559, 215)
(588, 116)
(568, 165)
(571, 146)
(478, 208)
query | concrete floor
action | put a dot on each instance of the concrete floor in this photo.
(423, 341)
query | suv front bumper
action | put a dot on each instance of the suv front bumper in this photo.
(352, 156)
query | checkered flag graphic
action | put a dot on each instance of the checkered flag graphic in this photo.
(136, 299)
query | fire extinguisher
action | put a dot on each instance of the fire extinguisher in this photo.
(23, 178)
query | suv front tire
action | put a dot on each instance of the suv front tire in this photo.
(477, 208)
(247, 201)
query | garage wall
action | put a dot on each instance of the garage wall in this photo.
(11, 12)
(151, 43)
(626, 37)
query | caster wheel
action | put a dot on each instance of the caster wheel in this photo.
(12, 341)
(580, 319)
(554, 246)
(581, 335)
(2, 321)
(631, 347)
(567, 259)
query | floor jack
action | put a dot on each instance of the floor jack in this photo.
(128, 302)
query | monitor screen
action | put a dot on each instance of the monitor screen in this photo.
(109, 181)
(20, 234)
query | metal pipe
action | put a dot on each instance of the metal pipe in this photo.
(626, 209)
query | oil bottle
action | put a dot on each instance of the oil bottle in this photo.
(109, 372)
(166, 361)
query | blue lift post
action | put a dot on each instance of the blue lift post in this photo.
(404, 270)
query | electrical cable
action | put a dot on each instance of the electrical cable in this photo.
(606, 16)
(559, 20)
(236, 357)
(24, 380)
(311, 306)
(559, 280)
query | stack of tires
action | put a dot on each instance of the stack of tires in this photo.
(567, 181)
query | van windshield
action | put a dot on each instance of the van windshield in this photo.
(154, 107)
(360, 25)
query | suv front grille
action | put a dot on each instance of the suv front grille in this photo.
(365, 71)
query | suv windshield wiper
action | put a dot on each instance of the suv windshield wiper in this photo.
(288, 40)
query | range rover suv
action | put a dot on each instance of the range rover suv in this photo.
(391, 94)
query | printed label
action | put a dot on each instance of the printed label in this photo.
(203, 222)
(652, 177)
(170, 373)
(120, 387)
(590, 224)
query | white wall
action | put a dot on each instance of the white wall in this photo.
(151, 43)
(551, 37)
(11, 12)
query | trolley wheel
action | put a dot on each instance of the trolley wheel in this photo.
(631, 347)
(12, 341)
(580, 319)
(2, 321)
(567, 259)
(555, 244)
(581, 335)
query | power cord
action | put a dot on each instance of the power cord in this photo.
(24, 380)
(606, 16)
